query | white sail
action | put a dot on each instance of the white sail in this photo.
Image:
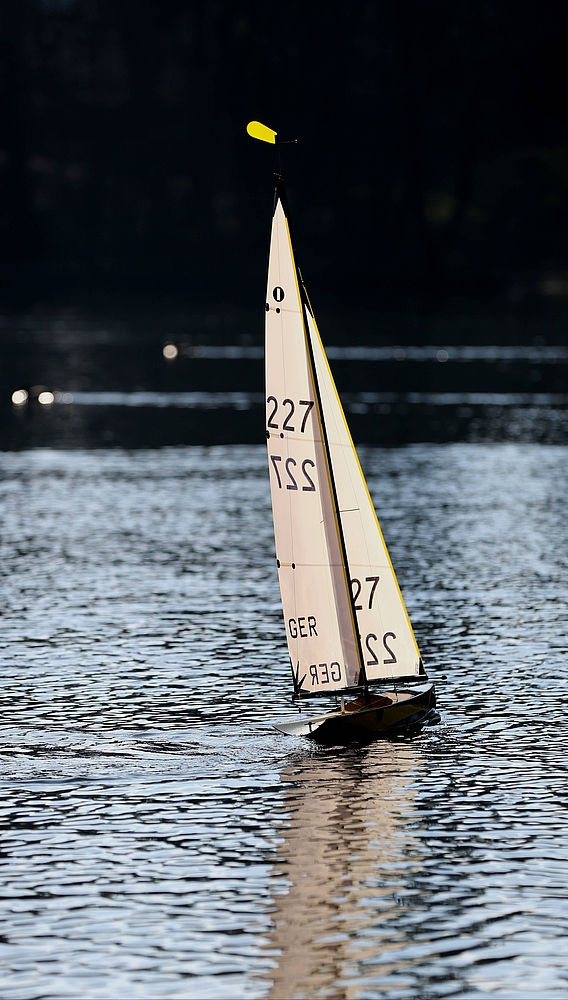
(318, 610)
(387, 641)
(345, 617)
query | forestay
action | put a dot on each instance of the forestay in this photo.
(335, 575)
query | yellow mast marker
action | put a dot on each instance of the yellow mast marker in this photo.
(262, 132)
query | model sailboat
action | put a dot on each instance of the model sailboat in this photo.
(347, 627)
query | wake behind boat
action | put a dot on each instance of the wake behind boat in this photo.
(347, 627)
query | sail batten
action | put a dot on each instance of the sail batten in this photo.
(325, 526)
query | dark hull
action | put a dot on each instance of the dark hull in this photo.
(362, 721)
(382, 715)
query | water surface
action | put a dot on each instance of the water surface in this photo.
(160, 839)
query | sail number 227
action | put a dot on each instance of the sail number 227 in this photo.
(290, 469)
(291, 407)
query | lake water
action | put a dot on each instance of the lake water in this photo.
(160, 839)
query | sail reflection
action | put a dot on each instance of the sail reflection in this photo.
(347, 857)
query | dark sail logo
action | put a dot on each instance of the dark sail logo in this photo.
(298, 681)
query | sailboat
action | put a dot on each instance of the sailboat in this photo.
(348, 631)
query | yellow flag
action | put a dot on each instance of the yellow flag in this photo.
(259, 131)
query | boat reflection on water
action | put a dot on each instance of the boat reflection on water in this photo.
(347, 858)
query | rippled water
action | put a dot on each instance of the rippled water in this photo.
(161, 840)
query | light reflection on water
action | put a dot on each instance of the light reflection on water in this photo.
(346, 855)
(160, 839)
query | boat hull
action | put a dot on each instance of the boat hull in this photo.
(381, 715)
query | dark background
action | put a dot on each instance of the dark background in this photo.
(428, 189)
(432, 165)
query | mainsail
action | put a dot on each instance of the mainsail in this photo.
(346, 622)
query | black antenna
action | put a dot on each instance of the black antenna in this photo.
(283, 142)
